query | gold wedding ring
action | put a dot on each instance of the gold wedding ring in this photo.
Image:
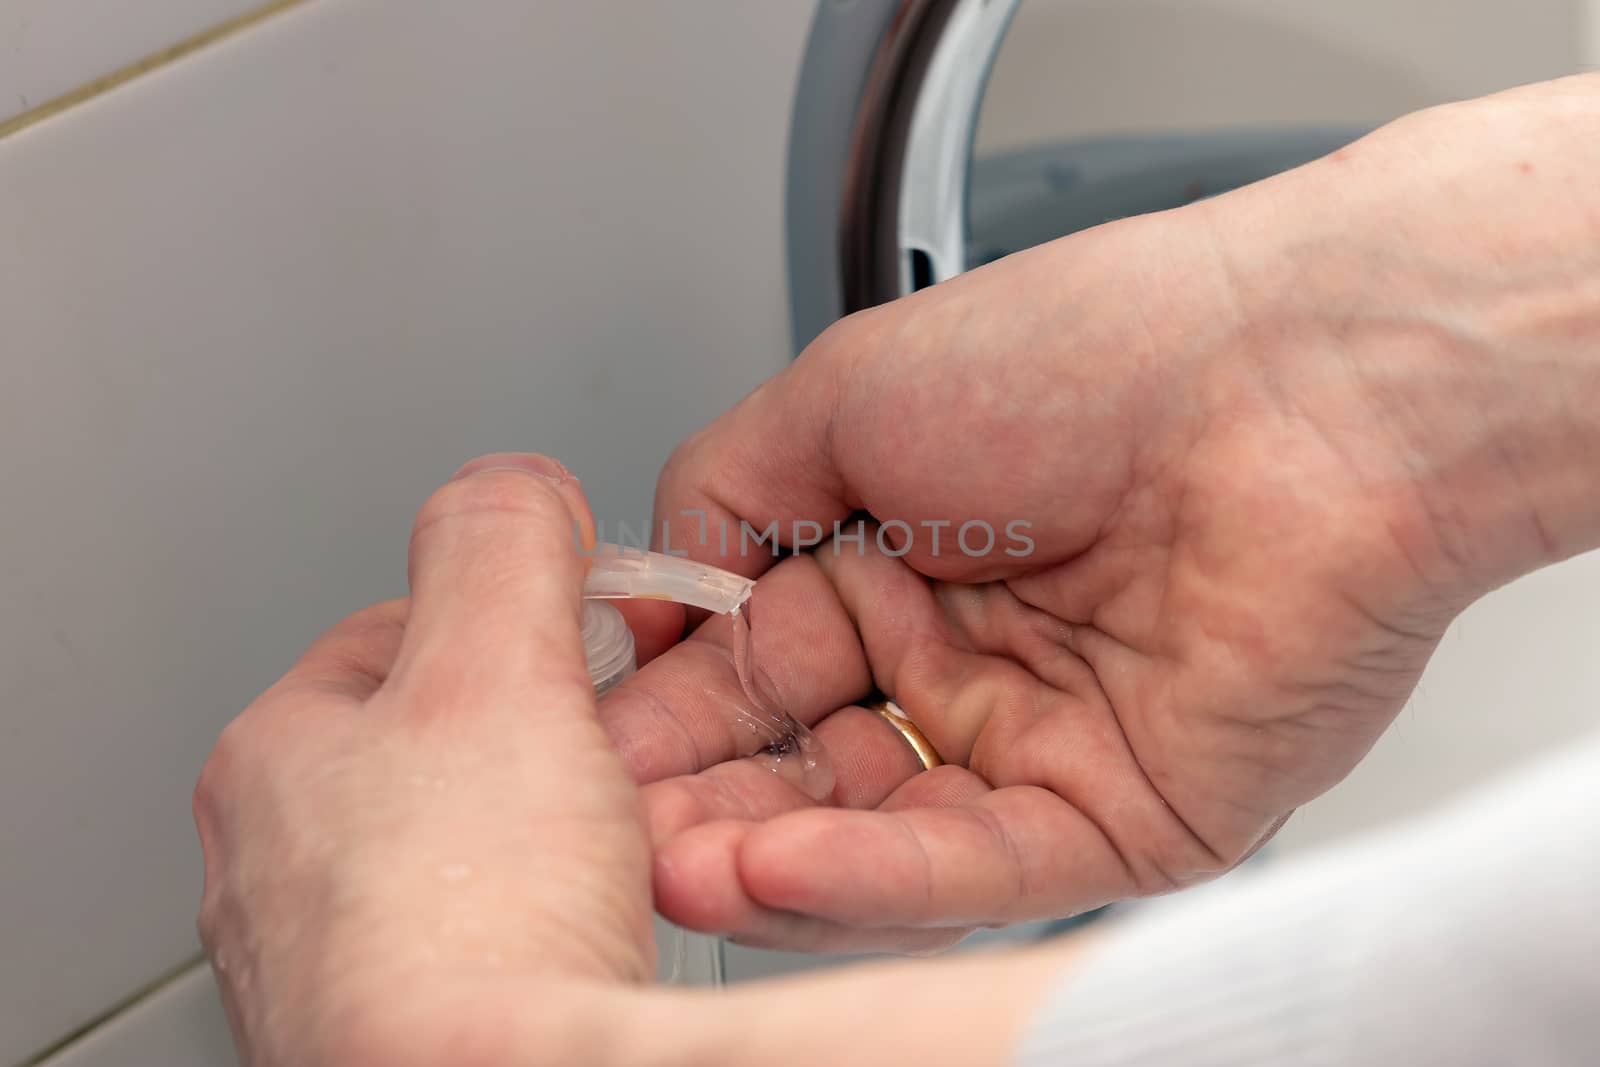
(890, 712)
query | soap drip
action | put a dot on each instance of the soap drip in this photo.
(790, 749)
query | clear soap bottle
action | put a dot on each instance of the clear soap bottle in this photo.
(686, 958)
(758, 727)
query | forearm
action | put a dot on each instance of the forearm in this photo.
(1448, 270)
(970, 1009)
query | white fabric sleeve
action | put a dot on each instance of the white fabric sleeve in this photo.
(1470, 936)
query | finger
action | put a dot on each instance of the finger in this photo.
(686, 710)
(697, 881)
(992, 620)
(656, 624)
(1010, 855)
(870, 759)
(918, 657)
(989, 683)
(942, 787)
(743, 790)
(764, 466)
(496, 580)
(354, 656)
(697, 886)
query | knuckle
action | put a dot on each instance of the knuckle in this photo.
(493, 493)
(207, 924)
(1181, 862)
(840, 335)
(220, 776)
(840, 348)
(376, 620)
(209, 802)
(677, 474)
(214, 778)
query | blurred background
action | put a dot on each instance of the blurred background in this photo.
(268, 273)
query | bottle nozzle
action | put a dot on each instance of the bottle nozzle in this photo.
(622, 573)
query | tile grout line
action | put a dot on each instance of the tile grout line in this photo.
(138, 68)
(16, 124)
(1589, 35)
(114, 1012)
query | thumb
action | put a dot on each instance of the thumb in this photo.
(738, 492)
(496, 588)
(763, 476)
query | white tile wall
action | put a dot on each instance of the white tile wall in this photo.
(179, 1025)
(49, 47)
(1590, 39)
(254, 307)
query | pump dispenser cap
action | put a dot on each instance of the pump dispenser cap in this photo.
(607, 645)
(622, 573)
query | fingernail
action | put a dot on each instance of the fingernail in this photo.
(525, 462)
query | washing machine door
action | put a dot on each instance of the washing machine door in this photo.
(880, 149)
(885, 195)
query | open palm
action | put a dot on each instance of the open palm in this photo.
(1233, 585)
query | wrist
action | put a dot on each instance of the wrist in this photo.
(1442, 279)
(485, 1020)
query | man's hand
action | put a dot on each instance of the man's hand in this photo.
(421, 849)
(423, 817)
(1267, 447)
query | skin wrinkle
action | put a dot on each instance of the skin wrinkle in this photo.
(1459, 558)
(1392, 630)
(1106, 704)
(727, 514)
(1168, 566)
(927, 878)
(473, 499)
(1331, 441)
(1050, 656)
(1213, 857)
(1504, 455)
(917, 643)
(1021, 888)
(903, 685)
(649, 697)
(353, 657)
(1001, 679)
(1065, 792)
(1227, 273)
(1059, 658)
